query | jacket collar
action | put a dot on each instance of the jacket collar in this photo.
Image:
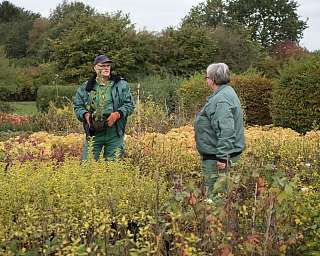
(91, 83)
(221, 87)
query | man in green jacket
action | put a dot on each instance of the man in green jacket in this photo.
(103, 104)
(219, 128)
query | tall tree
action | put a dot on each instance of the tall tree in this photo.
(75, 49)
(268, 21)
(61, 21)
(211, 13)
(36, 36)
(186, 50)
(15, 24)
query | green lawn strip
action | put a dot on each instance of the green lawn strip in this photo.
(24, 107)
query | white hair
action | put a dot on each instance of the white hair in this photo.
(219, 73)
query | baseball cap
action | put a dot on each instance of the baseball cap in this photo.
(101, 59)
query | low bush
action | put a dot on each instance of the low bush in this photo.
(6, 107)
(57, 119)
(76, 208)
(271, 205)
(148, 117)
(162, 91)
(59, 95)
(13, 122)
(254, 90)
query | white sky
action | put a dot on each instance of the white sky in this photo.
(158, 14)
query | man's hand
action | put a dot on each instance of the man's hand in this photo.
(114, 116)
(221, 165)
(87, 118)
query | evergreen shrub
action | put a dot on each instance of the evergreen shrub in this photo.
(296, 97)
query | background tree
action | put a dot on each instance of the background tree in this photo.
(61, 20)
(269, 21)
(108, 34)
(186, 50)
(15, 24)
(211, 13)
(35, 37)
(235, 48)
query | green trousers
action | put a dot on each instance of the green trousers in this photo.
(107, 141)
(216, 181)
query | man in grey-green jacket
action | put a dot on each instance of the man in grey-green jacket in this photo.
(219, 128)
(103, 104)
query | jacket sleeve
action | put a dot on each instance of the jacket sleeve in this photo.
(79, 105)
(127, 107)
(222, 122)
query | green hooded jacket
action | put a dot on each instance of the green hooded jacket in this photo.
(122, 101)
(219, 130)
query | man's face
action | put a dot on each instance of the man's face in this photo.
(103, 69)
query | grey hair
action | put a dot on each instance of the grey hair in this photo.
(219, 73)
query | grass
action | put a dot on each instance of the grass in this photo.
(24, 107)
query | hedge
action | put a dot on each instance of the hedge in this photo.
(296, 97)
(193, 94)
(15, 93)
(59, 95)
(255, 92)
(253, 89)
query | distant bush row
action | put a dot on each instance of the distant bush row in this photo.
(290, 101)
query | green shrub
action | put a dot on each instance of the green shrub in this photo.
(17, 93)
(162, 91)
(148, 117)
(296, 96)
(193, 94)
(8, 93)
(254, 90)
(57, 119)
(13, 83)
(6, 107)
(59, 95)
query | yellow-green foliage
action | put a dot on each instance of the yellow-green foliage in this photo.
(148, 117)
(41, 146)
(254, 91)
(284, 146)
(296, 96)
(70, 209)
(173, 153)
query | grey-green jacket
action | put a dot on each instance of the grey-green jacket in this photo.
(219, 127)
(122, 102)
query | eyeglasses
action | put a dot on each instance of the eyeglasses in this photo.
(104, 66)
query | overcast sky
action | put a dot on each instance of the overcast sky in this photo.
(156, 15)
